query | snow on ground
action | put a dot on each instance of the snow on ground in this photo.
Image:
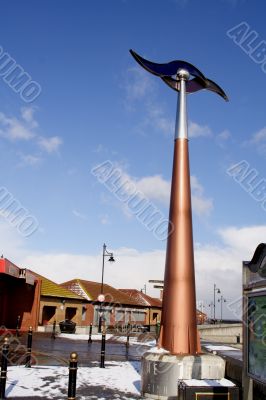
(158, 350)
(209, 382)
(75, 336)
(120, 339)
(219, 347)
(135, 340)
(52, 382)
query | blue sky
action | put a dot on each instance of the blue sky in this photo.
(96, 104)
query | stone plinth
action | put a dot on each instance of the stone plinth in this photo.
(161, 372)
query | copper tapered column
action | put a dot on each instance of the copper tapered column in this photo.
(178, 332)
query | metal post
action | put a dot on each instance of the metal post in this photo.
(17, 327)
(222, 300)
(105, 254)
(100, 319)
(29, 346)
(72, 380)
(158, 326)
(90, 332)
(4, 368)
(103, 349)
(101, 303)
(53, 332)
(127, 342)
(211, 309)
(214, 290)
(128, 328)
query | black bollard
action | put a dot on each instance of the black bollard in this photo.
(53, 331)
(17, 327)
(72, 380)
(127, 342)
(90, 332)
(29, 346)
(103, 349)
(4, 368)
(157, 331)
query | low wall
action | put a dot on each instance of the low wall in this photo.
(224, 333)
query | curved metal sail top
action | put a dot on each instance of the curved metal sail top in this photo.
(168, 73)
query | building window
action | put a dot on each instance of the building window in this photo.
(155, 316)
(119, 315)
(106, 314)
(70, 313)
(84, 311)
(48, 315)
(138, 316)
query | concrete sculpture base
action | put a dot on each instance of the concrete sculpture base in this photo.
(161, 372)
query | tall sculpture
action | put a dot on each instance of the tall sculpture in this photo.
(178, 332)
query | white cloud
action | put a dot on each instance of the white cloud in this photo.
(104, 219)
(224, 135)
(259, 137)
(24, 128)
(27, 115)
(156, 188)
(14, 129)
(222, 138)
(258, 140)
(196, 130)
(79, 215)
(156, 118)
(244, 239)
(50, 145)
(30, 159)
(201, 205)
(220, 263)
(138, 84)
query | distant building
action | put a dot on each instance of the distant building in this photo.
(153, 305)
(58, 304)
(19, 296)
(29, 299)
(118, 309)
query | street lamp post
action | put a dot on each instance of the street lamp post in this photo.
(215, 289)
(101, 297)
(211, 307)
(222, 300)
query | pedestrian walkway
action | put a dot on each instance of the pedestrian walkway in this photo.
(118, 380)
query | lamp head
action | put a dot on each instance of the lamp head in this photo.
(111, 259)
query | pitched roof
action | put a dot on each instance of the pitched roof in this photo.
(50, 288)
(148, 300)
(91, 290)
(143, 298)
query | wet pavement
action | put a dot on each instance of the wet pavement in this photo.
(56, 352)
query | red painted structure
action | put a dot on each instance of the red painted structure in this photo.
(19, 296)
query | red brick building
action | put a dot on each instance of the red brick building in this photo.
(29, 299)
(19, 296)
(152, 305)
(118, 308)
